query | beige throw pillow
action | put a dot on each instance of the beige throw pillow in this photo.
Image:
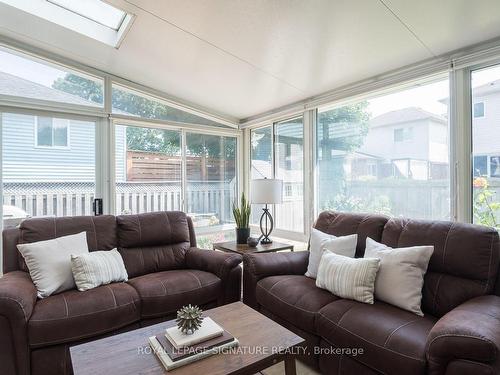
(49, 262)
(401, 275)
(98, 268)
(348, 277)
(321, 241)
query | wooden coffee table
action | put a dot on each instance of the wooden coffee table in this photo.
(233, 247)
(262, 344)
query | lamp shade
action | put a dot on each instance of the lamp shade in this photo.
(266, 191)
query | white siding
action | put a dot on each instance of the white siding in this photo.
(121, 153)
(486, 130)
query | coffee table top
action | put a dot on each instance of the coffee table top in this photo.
(128, 353)
(232, 246)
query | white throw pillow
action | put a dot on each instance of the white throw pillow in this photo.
(401, 275)
(49, 262)
(98, 268)
(345, 245)
(348, 277)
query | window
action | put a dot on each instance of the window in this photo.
(261, 154)
(480, 166)
(95, 10)
(486, 141)
(95, 19)
(403, 134)
(52, 132)
(289, 167)
(148, 169)
(361, 166)
(49, 180)
(132, 103)
(33, 79)
(479, 110)
(211, 179)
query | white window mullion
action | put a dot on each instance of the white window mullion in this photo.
(461, 145)
(308, 185)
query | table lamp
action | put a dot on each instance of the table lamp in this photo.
(266, 191)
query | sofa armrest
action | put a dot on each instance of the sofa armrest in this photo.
(257, 266)
(468, 333)
(216, 262)
(17, 300)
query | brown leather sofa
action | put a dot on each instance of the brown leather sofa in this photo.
(166, 271)
(459, 334)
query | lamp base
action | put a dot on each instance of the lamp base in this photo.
(264, 219)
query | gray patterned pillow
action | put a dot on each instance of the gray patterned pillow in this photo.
(348, 277)
(98, 268)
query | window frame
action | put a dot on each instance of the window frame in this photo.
(53, 147)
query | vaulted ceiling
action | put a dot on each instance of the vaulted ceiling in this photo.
(245, 57)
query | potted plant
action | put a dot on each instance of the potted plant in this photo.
(241, 215)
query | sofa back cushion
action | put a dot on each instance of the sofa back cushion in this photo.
(464, 263)
(153, 242)
(101, 231)
(343, 224)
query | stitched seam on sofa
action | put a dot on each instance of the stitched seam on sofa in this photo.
(186, 291)
(401, 233)
(446, 244)
(169, 226)
(436, 293)
(65, 305)
(370, 342)
(69, 339)
(140, 227)
(223, 265)
(95, 232)
(20, 305)
(344, 314)
(279, 281)
(489, 264)
(285, 302)
(457, 335)
(80, 315)
(196, 277)
(164, 287)
(396, 329)
(488, 367)
(371, 367)
(112, 293)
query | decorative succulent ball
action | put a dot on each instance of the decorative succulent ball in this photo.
(189, 319)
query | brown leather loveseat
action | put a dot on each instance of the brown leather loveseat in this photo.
(166, 271)
(459, 334)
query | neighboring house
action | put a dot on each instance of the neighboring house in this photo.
(486, 130)
(408, 143)
(38, 149)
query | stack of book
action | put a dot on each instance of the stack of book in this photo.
(175, 349)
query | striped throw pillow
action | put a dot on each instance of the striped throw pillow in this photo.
(352, 278)
(98, 268)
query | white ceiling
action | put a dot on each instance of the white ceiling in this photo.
(245, 57)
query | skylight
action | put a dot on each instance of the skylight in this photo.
(95, 10)
(95, 19)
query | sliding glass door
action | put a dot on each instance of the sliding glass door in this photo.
(48, 166)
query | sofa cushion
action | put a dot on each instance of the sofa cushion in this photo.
(393, 340)
(153, 242)
(101, 231)
(464, 263)
(294, 298)
(71, 316)
(163, 293)
(344, 224)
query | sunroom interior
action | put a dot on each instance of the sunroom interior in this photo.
(385, 108)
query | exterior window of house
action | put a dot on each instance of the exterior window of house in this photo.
(52, 132)
(495, 166)
(485, 141)
(403, 134)
(479, 110)
(480, 165)
(288, 190)
(361, 166)
(51, 180)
